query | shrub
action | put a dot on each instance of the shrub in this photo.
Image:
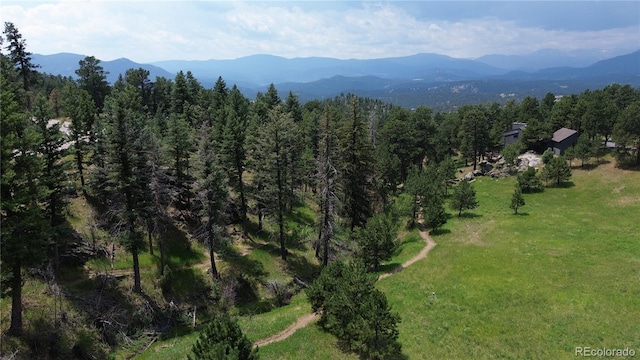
(353, 310)
(377, 240)
(547, 156)
(510, 153)
(280, 292)
(529, 182)
(222, 338)
(556, 171)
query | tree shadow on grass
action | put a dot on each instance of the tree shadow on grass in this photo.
(438, 232)
(300, 217)
(629, 165)
(390, 268)
(245, 265)
(469, 215)
(408, 240)
(343, 345)
(299, 266)
(563, 185)
(255, 307)
(178, 248)
(186, 285)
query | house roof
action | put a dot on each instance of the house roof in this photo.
(518, 126)
(562, 134)
(512, 132)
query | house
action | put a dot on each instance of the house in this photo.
(513, 135)
(562, 140)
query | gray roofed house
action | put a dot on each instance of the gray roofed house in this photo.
(562, 140)
(513, 135)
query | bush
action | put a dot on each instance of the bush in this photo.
(222, 338)
(377, 240)
(547, 156)
(529, 182)
(353, 310)
(510, 153)
(556, 171)
(280, 292)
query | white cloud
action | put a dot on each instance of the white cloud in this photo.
(149, 31)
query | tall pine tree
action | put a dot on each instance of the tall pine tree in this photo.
(355, 167)
(126, 168)
(24, 227)
(327, 181)
(233, 147)
(211, 192)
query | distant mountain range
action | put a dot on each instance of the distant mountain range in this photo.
(66, 64)
(432, 80)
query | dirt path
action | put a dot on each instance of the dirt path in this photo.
(301, 322)
(307, 319)
(423, 253)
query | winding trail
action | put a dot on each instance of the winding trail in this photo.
(307, 319)
(301, 322)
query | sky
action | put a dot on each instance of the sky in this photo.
(152, 30)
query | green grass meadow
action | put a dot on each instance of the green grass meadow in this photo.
(563, 273)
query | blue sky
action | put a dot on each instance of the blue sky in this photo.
(146, 31)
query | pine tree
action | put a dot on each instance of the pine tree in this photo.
(355, 167)
(556, 170)
(233, 147)
(327, 181)
(377, 240)
(18, 54)
(353, 310)
(53, 175)
(139, 78)
(219, 109)
(474, 133)
(79, 106)
(126, 169)
(585, 149)
(463, 198)
(627, 131)
(447, 173)
(271, 142)
(280, 134)
(433, 212)
(93, 79)
(159, 193)
(517, 200)
(529, 182)
(25, 227)
(180, 143)
(414, 186)
(180, 95)
(398, 136)
(222, 339)
(292, 108)
(211, 192)
(432, 198)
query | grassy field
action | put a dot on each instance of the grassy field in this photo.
(564, 273)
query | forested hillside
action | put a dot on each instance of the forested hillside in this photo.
(132, 216)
